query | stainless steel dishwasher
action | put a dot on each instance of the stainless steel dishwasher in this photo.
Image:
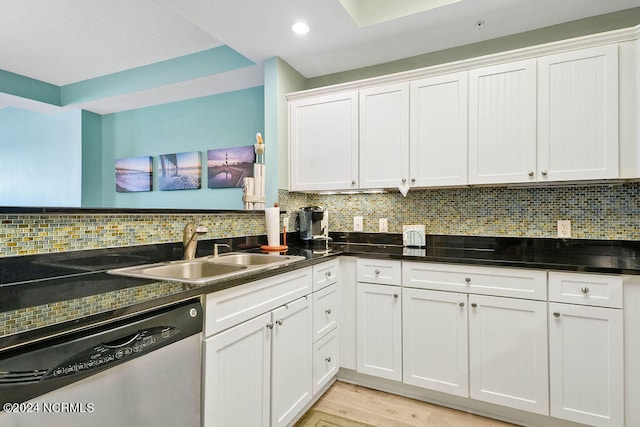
(143, 371)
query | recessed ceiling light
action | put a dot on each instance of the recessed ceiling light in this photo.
(300, 28)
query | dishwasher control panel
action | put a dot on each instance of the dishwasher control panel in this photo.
(102, 355)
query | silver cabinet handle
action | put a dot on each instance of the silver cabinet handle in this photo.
(461, 304)
(377, 271)
(328, 359)
(531, 173)
(556, 314)
(467, 279)
(585, 290)
(279, 322)
(270, 325)
(474, 305)
(328, 311)
(544, 173)
(395, 295)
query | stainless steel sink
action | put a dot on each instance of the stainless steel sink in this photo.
(249, 259)
(207, 269)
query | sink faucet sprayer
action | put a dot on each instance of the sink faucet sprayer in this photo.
(190, 239)
(216, 246)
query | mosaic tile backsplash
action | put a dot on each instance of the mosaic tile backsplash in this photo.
(597, 211)
(47, 233)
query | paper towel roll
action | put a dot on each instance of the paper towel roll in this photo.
(272, 216)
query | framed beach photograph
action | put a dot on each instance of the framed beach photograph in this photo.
(180, 171)
(134, 174)
(227, 167)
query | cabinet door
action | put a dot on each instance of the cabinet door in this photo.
(434, 336)
(384, 136)
(438, 133)
(291, 380)
(326, 360)
(586, 364)
(379, 327)
(508, 352)
(324, 143)
(325, 311)
(502, 123)
(578, 115)
(237, 374)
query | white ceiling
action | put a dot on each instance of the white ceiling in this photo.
(66, 41)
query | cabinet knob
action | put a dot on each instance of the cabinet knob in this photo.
(413, 180)
(531, 173)
(461, 304)
(279, 322)
(585, 290)
(544, 173)
(377, 271)
(270, 325)
(328, 274)
(556, 314)
(404, 180)
(328, 311)
(467, 279)
(353, 182)
(474, 305)
(328, 359)
(395, 296)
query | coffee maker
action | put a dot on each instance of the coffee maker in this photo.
(314, 224)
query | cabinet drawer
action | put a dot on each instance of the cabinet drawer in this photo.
(505, 282)
(380, 271)
(326, 360)
(586, 289)
(325, 311)
(325, 274)
(232, 306)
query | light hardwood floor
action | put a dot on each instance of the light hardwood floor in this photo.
(388, 410)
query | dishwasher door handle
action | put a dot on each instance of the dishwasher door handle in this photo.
(127, 342)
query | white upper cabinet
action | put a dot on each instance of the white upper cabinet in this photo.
(578, 115)
(438, 131)
(502, 123)
(384, 136)
(554, 113)
(324, 143)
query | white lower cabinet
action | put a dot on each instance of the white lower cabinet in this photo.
(434, 333)
(587, 364)
(237, 375)
(508, 352)
(379, 330)
(491, 349)
(263, 364)
(258, 371)
(326, 360)
(291, 361)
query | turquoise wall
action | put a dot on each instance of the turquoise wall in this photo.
(225, 120)
(41, 161)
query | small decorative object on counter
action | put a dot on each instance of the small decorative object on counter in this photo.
(272, 217)
(253, 189)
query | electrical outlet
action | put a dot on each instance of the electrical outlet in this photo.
(383, 225)
(358, 223)
(564, 228)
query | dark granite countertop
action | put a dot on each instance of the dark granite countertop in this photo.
(595, 256)
(41, 287)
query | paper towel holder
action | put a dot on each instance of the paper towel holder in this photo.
(277, 248)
